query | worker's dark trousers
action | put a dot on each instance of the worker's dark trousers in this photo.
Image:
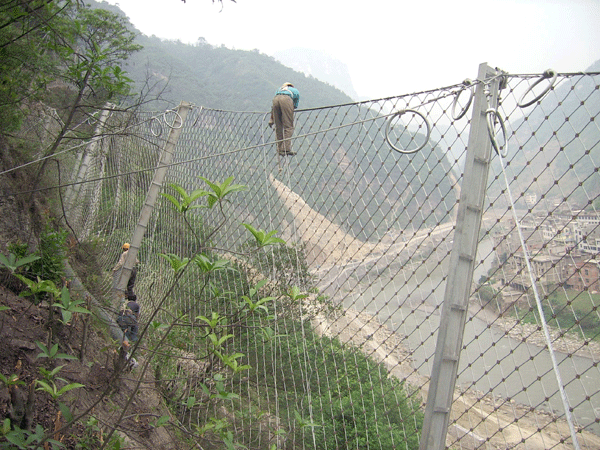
(283, 114)
(131, 282)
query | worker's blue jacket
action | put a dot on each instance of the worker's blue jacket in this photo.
(292, 92)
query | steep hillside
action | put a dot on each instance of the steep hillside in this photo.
(219, 77)
(104, 392)
(85, 355)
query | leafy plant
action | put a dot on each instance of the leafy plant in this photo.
(24, 439)
(38, 287)
(52, 352)
(262, 237)
(184, 204)
(214, 321)
(50, 375)
(206, 265)
(220, 191)
(177, 263)
(47, 260)
(55, 392)
(230, 360)
(213, 424)
(221, 392)
(12, 263)
(162, 420)
(68, 306)
(295, 294)
(11, 380)
(252, 306)
(94, 437)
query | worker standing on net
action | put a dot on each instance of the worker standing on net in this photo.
(286, 100)
(128, 321)
(119, 266)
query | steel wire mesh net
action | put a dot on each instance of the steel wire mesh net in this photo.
(345, 361)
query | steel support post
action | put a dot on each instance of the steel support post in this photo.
(462, 262)
(166, 157)
(83, 162)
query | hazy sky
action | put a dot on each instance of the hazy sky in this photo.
(392, 47)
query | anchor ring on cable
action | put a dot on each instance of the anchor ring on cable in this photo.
(547, 74)
(389, 124)
(92, 120)
(154, 121)
(491, 114)
(177, 117)
(468, 84)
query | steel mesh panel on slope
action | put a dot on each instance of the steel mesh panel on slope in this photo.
(375, 228)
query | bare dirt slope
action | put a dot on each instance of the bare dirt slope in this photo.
(105, 394)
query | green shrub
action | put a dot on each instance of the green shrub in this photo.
(364, 408)
(52, 251)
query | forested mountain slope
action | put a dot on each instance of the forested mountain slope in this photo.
(219, 77)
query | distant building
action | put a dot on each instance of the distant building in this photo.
(582, 276)
(561, 249)
(588, 238)
(530, 200)
(584, 218)
(545, 268)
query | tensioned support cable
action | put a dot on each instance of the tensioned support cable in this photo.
(538, 302)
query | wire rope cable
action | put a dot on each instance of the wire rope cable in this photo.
(563, 395)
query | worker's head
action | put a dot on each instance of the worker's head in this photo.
(134, 307)
(288, 84)
(125, 246)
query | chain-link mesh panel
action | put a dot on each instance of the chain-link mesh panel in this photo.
(368, 209)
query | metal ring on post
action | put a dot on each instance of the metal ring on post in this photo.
(92, 119)
(177, 116)
(159, 131)
(547, 74)
(469, 84)
(398, 114)
(490, 114)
